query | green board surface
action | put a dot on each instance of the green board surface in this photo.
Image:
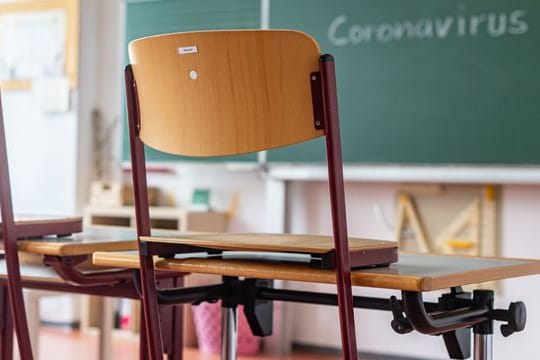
(419, 81)
(152, 17)
(424, 81)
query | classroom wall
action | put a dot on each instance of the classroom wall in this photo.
(57, 148)
(42, 155)
(101, 79)
(520, 206)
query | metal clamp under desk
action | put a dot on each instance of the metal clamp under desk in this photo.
(453, 316)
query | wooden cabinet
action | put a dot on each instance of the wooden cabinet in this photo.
(161, 217)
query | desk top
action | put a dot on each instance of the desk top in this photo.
(413, 272)
(85, 243)
(310, 244)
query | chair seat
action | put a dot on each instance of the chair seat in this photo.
(363, 252)
(31, 226)
(413, 272)
(309, 244)
(85, 243)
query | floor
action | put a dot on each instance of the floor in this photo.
(68, 345)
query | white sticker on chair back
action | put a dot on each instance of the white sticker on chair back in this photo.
(187, 50)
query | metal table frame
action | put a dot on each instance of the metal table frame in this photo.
(455, 315)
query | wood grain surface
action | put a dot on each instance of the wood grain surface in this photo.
(85, 243)
(311, 244)
(214, 93)
(413, 272)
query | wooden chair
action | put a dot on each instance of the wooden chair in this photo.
(63, 256)
(217, 93)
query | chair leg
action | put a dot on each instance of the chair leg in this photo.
(346, 317)
(6, 326)
(167, 321)
(151, 309)
(143, 344)
(19, 315)
(177, 331)
(337, 201)
(172, 322)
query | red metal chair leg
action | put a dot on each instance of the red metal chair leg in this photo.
(151, 309)
(6, 326)
(177, 331)
(339, 215)
(18, 311)
(172, 322)
(148, 278)
(9, 234)
(143, 344)
(346, 317)
(166, 317)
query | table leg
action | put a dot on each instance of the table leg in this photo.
(6, 326)
(483, 347)
(32, 298)
(229, 332)
(143, 346)
(105, 331)
(280, 342)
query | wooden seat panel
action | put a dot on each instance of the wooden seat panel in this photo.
(309, 244)
(413, 272)
(85, 243)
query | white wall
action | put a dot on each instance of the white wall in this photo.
(42, 155)
(51, 156)
(101, 79)
(519, 229)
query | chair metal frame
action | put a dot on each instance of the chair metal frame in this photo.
(455, 316)
(113, 283)
(326, 118)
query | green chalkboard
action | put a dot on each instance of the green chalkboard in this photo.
(424, 81)
(419, 81)
(152, 17)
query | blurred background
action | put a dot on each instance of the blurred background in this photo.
(440, 122)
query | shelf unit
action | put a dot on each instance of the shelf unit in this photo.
(161, 218)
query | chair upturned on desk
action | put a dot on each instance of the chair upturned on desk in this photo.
(69, 270)
(234, 92)
(455, 315)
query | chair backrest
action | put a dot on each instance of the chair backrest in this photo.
(214, 93)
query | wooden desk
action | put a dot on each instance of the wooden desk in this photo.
(412, 272)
